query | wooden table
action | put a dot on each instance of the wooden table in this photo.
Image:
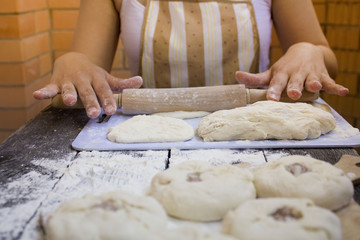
(34, 164)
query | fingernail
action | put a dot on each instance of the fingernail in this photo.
(272, 95)
(70, 99)
(138, 79)
(110, 109)
(294, 94)
(93, 112)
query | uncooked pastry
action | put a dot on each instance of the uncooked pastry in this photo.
(282, 218)
(183, 114)
(266, 120)
(198, 191)
(304, 177)
(114, 215)
(151, 128)
(193, 233)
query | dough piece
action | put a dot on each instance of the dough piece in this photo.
(114, 215)
(192, 233)
(266, 120)
(145, 128)
(198, 191)
(183, 114)
(304, 177)
(282, 218)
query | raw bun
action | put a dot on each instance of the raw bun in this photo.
(192, 233)
(267, 120)
(282, 218)
(198, 191)
(145, 128)
(304, 177)
(114, 215)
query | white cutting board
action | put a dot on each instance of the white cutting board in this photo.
(93, 137)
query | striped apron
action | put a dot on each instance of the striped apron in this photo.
(197, 43)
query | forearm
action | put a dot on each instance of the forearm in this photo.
(97, 32)
(296, 23)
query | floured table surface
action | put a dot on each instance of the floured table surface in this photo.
(93, 137)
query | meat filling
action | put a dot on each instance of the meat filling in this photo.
(286, 214)
(296, 169)
(106, 206)
(194, 177)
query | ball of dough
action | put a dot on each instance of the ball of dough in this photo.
(266, 120)
(151, 128)
(114, 215)
(282, 218)
(198, 191)
(305, 177)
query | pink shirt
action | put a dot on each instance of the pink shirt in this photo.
(132, 16)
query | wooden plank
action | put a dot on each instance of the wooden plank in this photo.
(48, 136)
(30, 161)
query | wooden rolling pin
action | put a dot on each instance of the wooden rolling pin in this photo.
(146, 101)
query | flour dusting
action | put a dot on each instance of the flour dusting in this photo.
(250, 157)
(28, 192)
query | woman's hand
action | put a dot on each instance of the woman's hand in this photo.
(301, 67)
(75, 75)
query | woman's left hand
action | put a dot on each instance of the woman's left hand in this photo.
(301, 67)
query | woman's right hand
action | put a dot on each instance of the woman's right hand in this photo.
(76, 76)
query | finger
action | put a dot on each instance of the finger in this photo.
(313, 83)
(295, 86)
(105, 95)
(330, 86)
(253, 80)
(46, 92)
(68, 93)
(88, 98)
(276, 87)
(117, 84)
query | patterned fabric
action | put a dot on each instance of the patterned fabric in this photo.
(197, 43)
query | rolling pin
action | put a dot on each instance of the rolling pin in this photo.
(210, 99)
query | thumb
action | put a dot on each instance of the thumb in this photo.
(118, 84)
(253, 80)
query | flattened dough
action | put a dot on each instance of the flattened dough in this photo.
(198, 191)
(282, 218)
(267, 120)
(151, 128)
(114, 215)
(183, 114)
(304, 177)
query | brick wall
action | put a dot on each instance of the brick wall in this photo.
(25, 60)
(35, 32)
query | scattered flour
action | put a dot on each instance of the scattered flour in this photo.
(28, 192)
(346, 132)
(55, 181)
(251, 158)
